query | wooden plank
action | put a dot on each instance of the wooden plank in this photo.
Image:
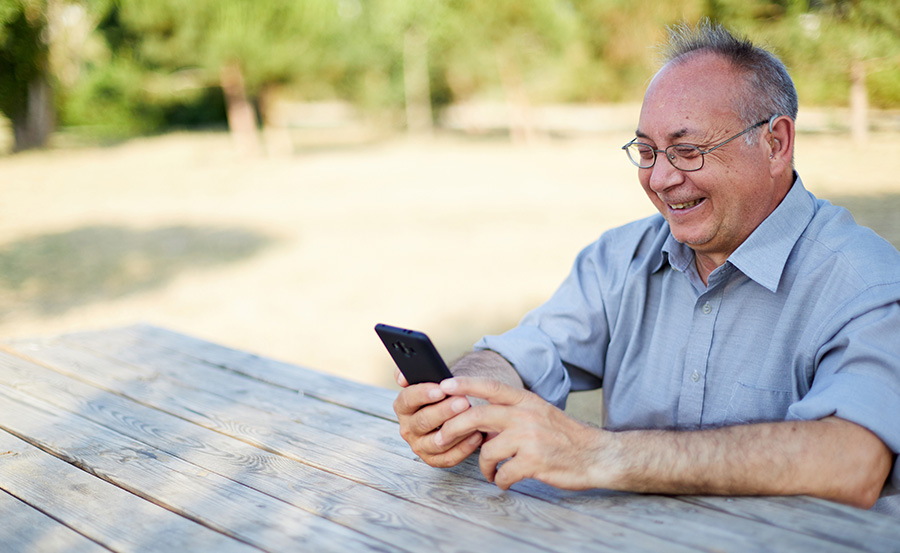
(666, 517)
(90, 508)
(475, 501)
(364, 509)
(170, 371)
(361, 397)
(146, 362)
(22, 528)
(191, 491)
(838, 523)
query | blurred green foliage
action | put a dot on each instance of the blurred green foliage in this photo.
(137, 66)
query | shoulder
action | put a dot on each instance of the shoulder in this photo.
(843, 272)
(834, 243)
(641, 237)
(622, 251)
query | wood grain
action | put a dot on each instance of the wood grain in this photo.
(85, 508)
(27, 529)
(818, 518)
(191, 491)
(264, 453)
(174, 389)
(672, 518)
(356, 506)
(475, 501)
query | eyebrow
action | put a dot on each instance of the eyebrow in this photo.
(672, 136)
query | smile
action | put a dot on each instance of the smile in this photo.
(686, 205)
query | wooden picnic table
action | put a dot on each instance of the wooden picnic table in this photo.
(143, 439)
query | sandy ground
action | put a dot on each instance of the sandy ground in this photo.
(454, 237)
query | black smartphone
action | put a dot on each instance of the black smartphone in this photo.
(414, 354)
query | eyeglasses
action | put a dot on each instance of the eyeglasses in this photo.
(684, 157)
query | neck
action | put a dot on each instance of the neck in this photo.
(706, 265)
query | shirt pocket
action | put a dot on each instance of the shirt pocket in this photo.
(752, 403)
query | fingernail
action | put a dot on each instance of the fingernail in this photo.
(475, 438)
(438, 438)
(459, 405)
(435, 393)
(449, 385)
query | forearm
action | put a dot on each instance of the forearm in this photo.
(832, 459)
(487, 364)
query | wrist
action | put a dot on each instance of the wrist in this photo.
(611, 468)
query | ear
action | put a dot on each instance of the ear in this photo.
(780, 141)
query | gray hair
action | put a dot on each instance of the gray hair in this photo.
(770, 89)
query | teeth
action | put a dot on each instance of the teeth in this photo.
(684, 205)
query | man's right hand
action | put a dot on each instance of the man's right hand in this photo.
(422, 409)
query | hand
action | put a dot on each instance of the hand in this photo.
(421, 410)
(536, 439)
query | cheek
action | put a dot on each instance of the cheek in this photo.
(644, 178)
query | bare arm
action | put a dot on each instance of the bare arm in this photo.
(488, 364)
(832, 458)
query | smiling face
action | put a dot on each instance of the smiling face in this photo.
(715, 209)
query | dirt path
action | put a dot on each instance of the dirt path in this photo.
(297, 258)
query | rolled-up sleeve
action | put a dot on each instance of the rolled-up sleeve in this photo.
(535, 358)
(858, 378)
(560, 346)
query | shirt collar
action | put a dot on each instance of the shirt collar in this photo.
(670, 252)
(764, 254)
(675, 253)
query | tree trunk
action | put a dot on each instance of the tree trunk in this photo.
(240, 112)
(521, 125)
(859, 103)
(34, 125)
(275, 133)
(416, 85)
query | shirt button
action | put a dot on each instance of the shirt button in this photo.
(707, 308)
(695, 376)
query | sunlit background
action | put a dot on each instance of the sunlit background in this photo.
(280, 176)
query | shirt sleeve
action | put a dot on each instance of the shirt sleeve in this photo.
(858, 377)
(560, 346)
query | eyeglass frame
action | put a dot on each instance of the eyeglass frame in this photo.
(668, 156)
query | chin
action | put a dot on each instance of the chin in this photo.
(692, 240)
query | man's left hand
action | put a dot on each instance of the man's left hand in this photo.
(536, 439)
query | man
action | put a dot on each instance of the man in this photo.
(747, 338)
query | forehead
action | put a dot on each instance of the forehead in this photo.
(690, 98)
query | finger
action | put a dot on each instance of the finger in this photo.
(485, 418)
(489, 389)
(432, 417)
(494, 452)
(456, 454)
(413, 398)
(401, 380)
(511, 472)
(419, 430)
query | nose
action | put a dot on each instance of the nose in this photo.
(664, 175)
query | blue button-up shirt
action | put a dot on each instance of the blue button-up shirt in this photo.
(801, 322)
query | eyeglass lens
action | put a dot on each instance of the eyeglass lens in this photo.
(683, 156)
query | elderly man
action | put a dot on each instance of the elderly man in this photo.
(747, 338)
